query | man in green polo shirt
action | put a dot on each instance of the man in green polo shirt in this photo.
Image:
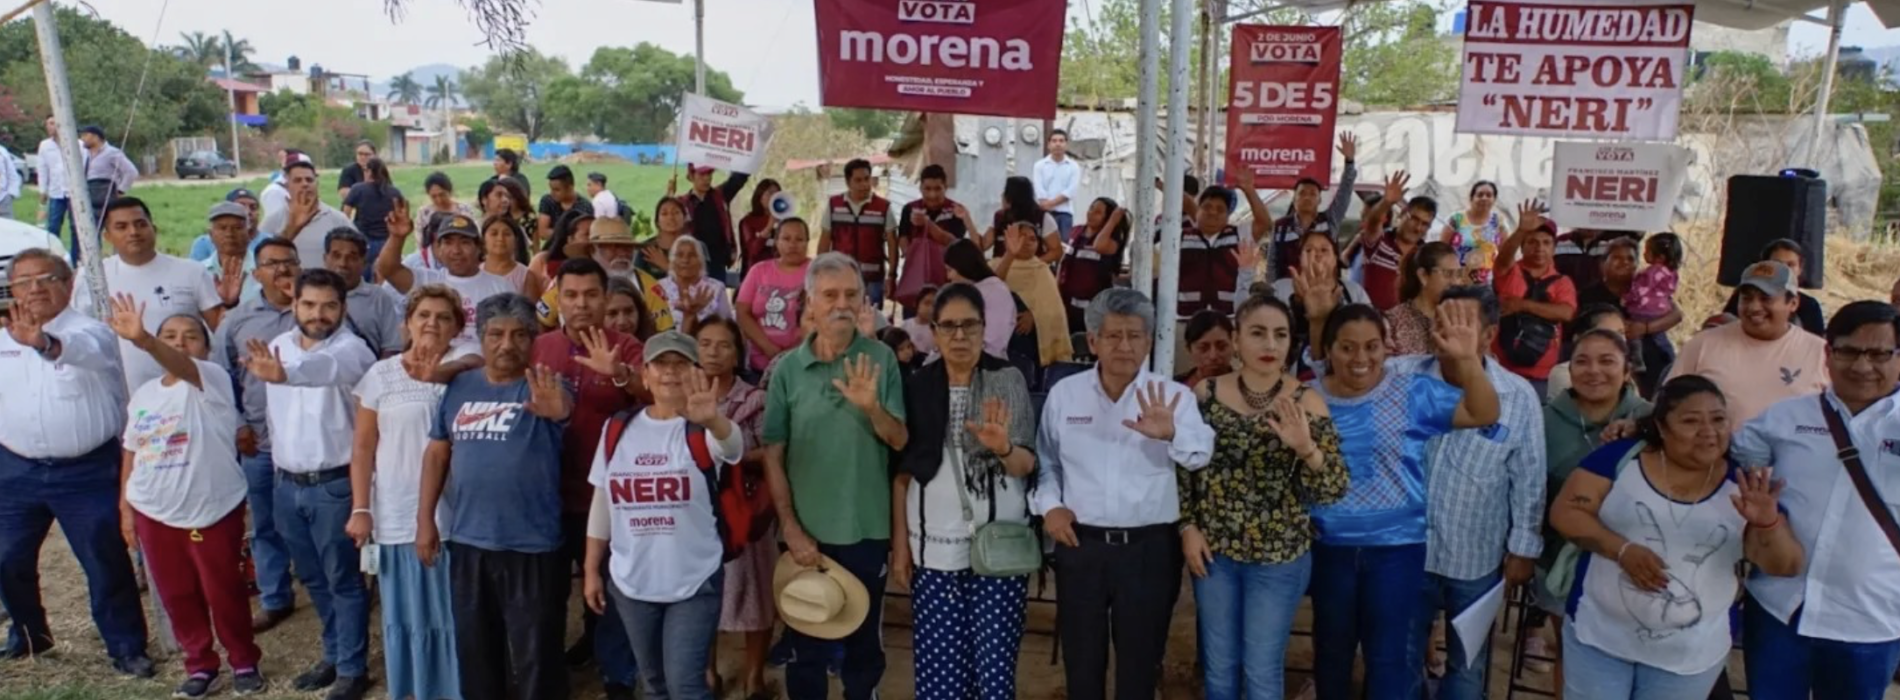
(837, 401)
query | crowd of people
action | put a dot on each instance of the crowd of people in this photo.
(723, 423)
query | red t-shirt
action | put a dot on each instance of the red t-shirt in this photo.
(595, 400)
(1512, 285)
(1381, 272)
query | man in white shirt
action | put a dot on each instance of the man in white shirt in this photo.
(55, 201)
(164, 285)
(1058, 182)
(606, 203)
(309, 374)
(305, 218)
(11, 175)
(458, 246)
(1834, 631)
(62, 406)
(1109, 443)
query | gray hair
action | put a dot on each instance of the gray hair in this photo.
(697, 245)
(832, 263)
(504, 307)
(62, 270)
(1119, 301)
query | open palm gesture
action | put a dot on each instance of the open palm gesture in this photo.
(1348, 146)
(128, 317)
(702, 398)
(1759, 494)
(1287, 420)
(265, 363)
(599, 357)
(1315, 288)
(694, 300)
(1247, 254)
(231, 279)
(1157, 412)
(1395, 186)
(1530, 215)
(421, 361)
(1457, 330)
(993, 431)
(547, 397)
(859, 384)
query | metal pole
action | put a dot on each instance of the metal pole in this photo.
(1167, 288)
(1836, 15)
(230, 93)
(699, 47)
(85, 227)
(1147, 148)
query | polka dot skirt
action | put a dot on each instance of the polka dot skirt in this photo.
(968, 629)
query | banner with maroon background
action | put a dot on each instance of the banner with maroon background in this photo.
(995, 57)
(1283, 95)
(1603, 69)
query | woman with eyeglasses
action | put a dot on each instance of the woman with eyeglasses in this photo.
(972, 442)
(1423, 277)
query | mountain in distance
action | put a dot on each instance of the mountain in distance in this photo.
(425, 75)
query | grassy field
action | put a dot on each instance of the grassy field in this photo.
(180, 206)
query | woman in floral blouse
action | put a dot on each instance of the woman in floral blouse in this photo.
(1423, 277)
(1245, 527)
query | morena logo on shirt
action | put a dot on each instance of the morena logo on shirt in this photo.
(1079, 420)
(486, 420)
(647, 489)
(1891, 447)
(1812, 430)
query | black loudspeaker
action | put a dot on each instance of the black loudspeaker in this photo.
(1765, 208)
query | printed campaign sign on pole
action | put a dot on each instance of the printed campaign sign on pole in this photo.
(1283, 97)
(995, 57)
(722, 135)
(1619, 186)
(1609, 69)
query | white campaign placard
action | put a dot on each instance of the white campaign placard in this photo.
(1609, 69)
(1617, 186)
(722, 135)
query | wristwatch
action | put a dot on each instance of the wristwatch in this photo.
(622, 376)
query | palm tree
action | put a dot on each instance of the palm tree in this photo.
(442, 94)
(240, 51)
(201, 50)
(405, 89)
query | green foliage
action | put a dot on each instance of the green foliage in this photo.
(103, 65)
(240, 51)
(287, 109)
(404, 89)
(327, 132)
(633, 95)
(442, 94)
(873, 123)
(479, 132)
(1395, 55)
(200, 49)
(515, 91)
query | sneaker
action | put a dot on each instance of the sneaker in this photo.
(318, 677)
(197, 686)
(248, 682)
(135, 666)
(349, 688)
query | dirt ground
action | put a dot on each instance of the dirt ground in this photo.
(78, 670)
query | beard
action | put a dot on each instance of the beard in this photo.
(317, 329)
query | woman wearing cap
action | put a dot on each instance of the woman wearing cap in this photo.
(662, 467)
(972, 441)
(395, 405)
(747, 604)
(691, 295)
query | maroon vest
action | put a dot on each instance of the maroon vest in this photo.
(1209, 271)
(1084, 272)
(861, 234)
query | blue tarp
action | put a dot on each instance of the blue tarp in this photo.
(250, 119)
(645, 154)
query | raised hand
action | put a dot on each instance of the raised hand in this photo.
(26, 327)
(1756, 501)
(1530, 214)
(265, 363)
(128, 318)
(398, 220)
(303, 210)
(1315, 290)
(1247, 254)
(231, 281)
(547, 397)
(1157, 412)
(422, 360)
(859, 385)
(702, 398)
(692, 301)
(993, 431)
(1288, 421)
(1348, 145)
(1395, 186)
(1244, 178)
(599, 358)
(1457, 331)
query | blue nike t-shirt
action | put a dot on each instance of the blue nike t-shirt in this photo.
(504, 487)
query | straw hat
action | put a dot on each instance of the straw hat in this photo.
(825, 601)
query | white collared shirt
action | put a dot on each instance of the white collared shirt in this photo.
(52, 170)
(1105, 472)
(67, 407)
(1057, 178)
(312, 413)
(1850, 591)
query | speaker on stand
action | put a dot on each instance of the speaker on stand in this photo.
(1765, 208)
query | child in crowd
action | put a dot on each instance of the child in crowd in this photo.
(922, 338)
(1652, 294)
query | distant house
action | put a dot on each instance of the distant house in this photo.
(245, 100)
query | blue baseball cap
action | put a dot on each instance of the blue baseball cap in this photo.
(240, 193)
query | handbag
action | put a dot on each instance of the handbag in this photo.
(997, 549)
(1857, 472)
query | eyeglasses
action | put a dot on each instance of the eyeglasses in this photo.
(958, 329)
(1851, 355)
(37, 281)
(267, 264)
(1132, 340)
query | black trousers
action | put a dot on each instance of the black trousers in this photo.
(510, 622)
(1118, 588)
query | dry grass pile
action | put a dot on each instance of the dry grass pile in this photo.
(592, 157)
(1855, 271)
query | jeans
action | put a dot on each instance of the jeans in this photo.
(1064, 221)
(268, 555)
(1366, 597)
(375, 248)
(613, 653)
(310, 519)
(874, 290)
(805, 675)
(673, 640)
(1784, 665)
(82, 493)
(1245, 612)
(1590, 674)
(59, 215)
(1463, 680)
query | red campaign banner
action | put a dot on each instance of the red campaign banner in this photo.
(1283, 96)
(994, 57)
(1598, 69)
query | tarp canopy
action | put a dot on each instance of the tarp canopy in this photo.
(1739, 14)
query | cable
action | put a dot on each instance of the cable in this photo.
(139, 92)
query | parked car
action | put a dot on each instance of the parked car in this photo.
(17, 236)
(32, 161)
(205, 164)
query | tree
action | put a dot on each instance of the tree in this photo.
(285, 109)
(442, 94)
(513, 90)
(633, 95)
(873, 123)
(201, 49)
(240, 51)
(479, 133)
(404, 89)
(176, 98)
